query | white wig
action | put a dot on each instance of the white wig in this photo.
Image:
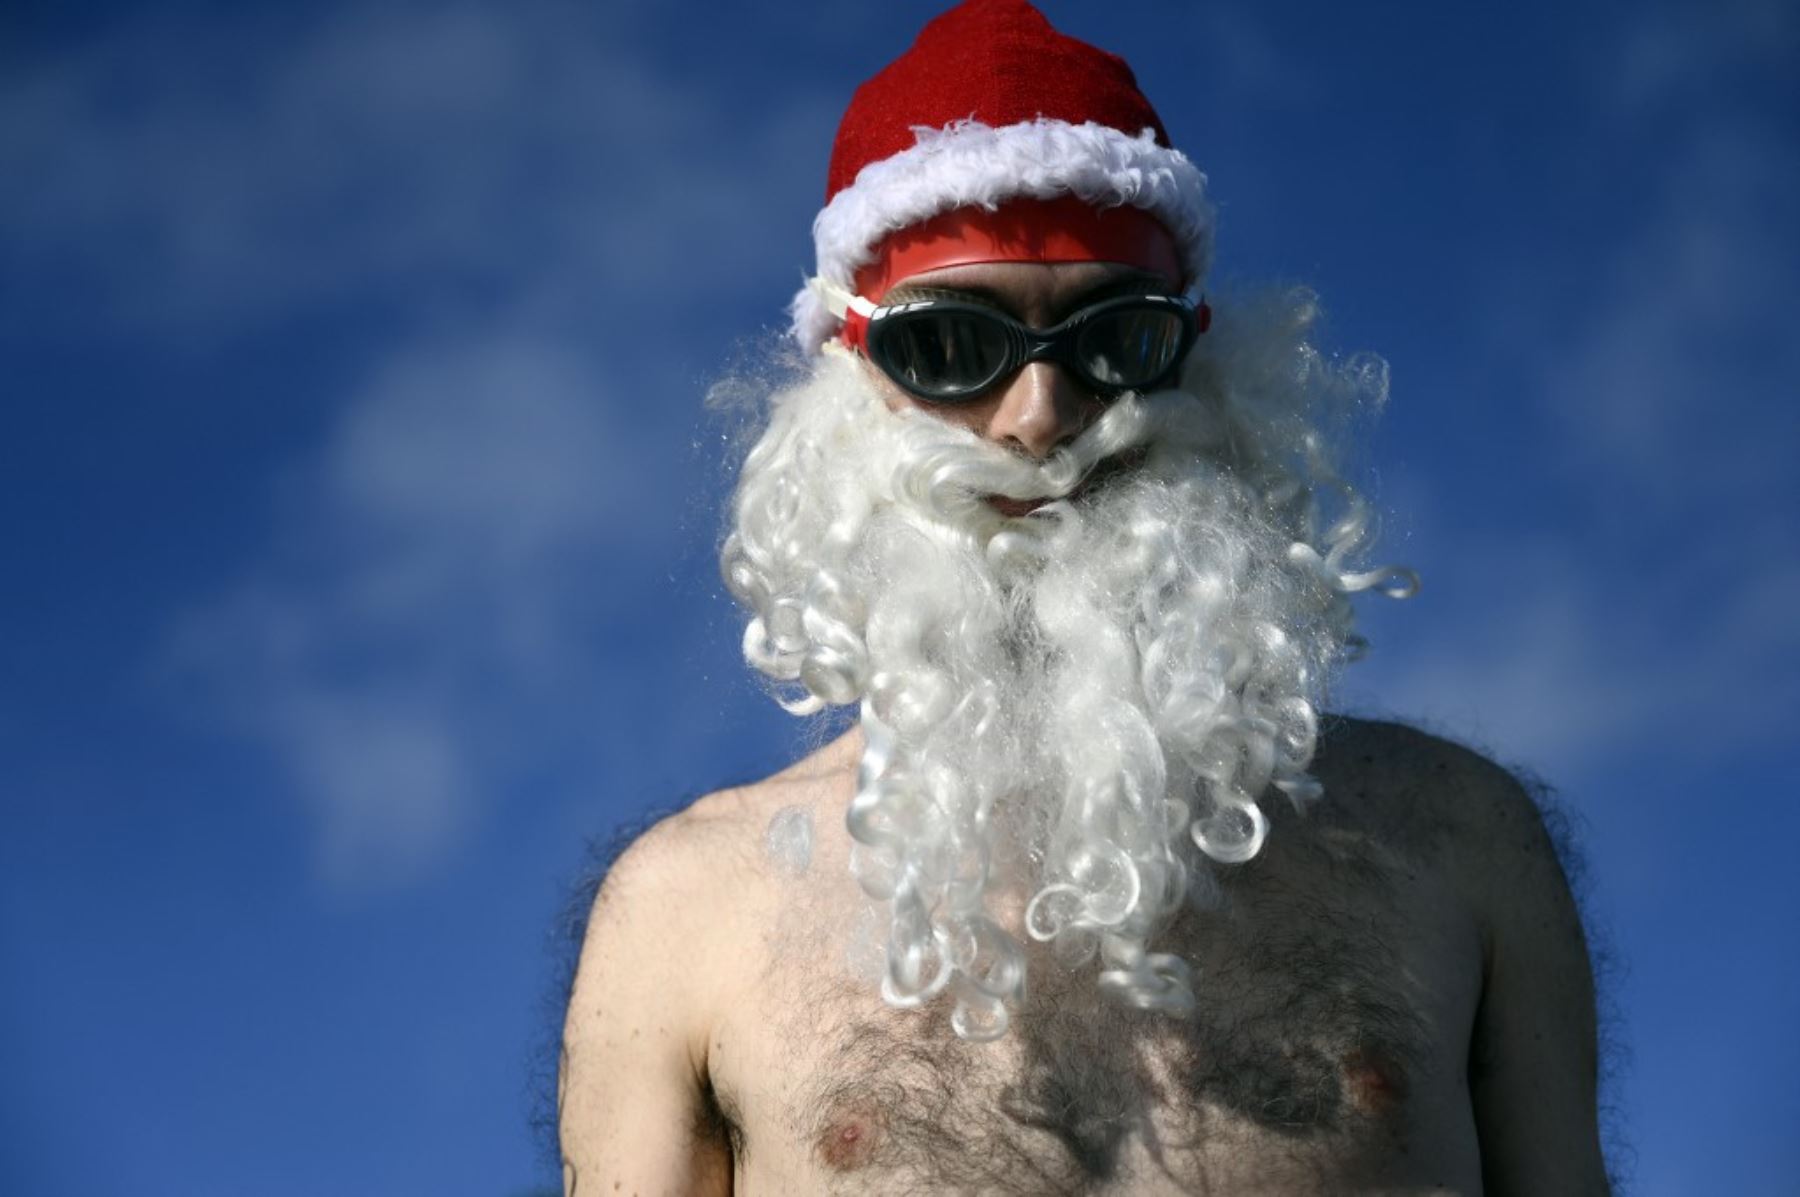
(1095, 698)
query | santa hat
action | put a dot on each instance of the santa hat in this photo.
(991, 104)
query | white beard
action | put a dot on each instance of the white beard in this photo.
(1088, 701)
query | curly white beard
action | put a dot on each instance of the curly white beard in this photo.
(1078, 699)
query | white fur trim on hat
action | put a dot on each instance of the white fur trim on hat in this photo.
(970, 164)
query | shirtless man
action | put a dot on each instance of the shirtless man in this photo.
(1090, 898)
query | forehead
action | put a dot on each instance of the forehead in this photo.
(1032, 286)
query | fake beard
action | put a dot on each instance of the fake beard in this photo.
(1088, 701)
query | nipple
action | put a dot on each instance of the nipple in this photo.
(850, 1139)
(1374, 1080)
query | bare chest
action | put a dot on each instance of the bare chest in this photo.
(1336, 988)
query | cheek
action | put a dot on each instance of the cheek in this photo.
(973, 416)
(895, 398)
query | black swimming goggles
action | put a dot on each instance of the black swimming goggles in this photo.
(949, 349)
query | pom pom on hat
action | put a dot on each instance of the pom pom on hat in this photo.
(992, 104)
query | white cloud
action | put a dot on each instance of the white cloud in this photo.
(1530, 651)
(1676, 49)
(1521, 681)
(207, 176)
(1684, 378)
(391, 786)
(420, 620)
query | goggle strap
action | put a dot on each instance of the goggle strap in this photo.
(847, 306)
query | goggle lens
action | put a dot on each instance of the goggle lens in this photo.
(1130, 347)
(945, 352)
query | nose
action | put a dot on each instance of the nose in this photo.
(1042, 408)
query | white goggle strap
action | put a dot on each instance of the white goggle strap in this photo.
(848, 307)
(839, 302)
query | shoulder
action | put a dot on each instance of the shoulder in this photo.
(1430, 792)
(673, 934)
(661, 890)
(719, 839)
(699, 879)
(1410, 759)
(1492, 831)
(670, 883)
(681, 855)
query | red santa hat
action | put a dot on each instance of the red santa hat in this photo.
(989, 106)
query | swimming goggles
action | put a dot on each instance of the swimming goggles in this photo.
(949, 350)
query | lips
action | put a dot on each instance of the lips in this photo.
(1014, 508)
(1096, 478)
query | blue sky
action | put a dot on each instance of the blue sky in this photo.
(359, 504)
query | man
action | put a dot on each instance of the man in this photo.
(1090, 898)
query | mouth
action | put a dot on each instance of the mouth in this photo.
(1014, 508)
(1096, 478)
